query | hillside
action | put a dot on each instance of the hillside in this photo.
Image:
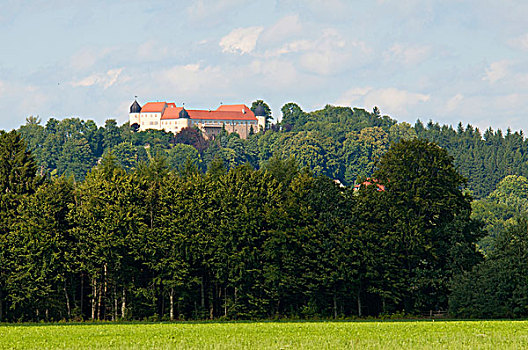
(340, 142)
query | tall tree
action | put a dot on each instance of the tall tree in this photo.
(111, 134)
(496, 287)
(106, 224)
(44, 254)
(18, 178)
(430, 220)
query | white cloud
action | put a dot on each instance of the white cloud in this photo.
(407, 55)
(274, 73)
(284, 28)
(329, 10)
(497, 71)
(152, 50)
(200, 9)
(353, 96)
(394, 100)
(104, 79)
(241, 40)
(389, 100)
(331, 53)
(412, 15)
(191, 78)
(294, 46)
(454, 102)
(519, 42)
(510, 107)
(88, 57)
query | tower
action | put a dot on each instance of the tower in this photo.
(260, 113)
(184, 119)
(135, 110)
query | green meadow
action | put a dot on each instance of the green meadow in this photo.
(270, 335)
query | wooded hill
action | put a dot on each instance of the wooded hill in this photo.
(339, 142)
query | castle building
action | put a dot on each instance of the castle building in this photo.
(167, 116)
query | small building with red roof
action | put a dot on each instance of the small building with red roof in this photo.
(369, 182)
(167, 116)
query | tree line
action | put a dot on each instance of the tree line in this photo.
(340, 142)
(235, 243)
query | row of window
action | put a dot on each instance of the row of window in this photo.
(158, 115)
(215, 122)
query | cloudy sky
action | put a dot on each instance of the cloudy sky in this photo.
(446, 60)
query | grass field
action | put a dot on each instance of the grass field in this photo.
(271, 335)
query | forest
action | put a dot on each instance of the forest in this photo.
(333, 213)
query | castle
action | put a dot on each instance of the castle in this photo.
(168, 117)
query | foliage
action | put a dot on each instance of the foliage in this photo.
(501, 208)
(345, 142)
(235, 242)
(429, 220)
(497, 286)
(267, 110)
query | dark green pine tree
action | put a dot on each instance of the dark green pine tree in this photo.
(111, 134)
(44, 255)
(430, 220)
(18, 178)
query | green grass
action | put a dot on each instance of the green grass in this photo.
(271, 335)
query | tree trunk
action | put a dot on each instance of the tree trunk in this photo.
(359, 302)
(211, 295)
(335, 305)
(114, 317)
(105, 291)
(1, 305)
(202, 291)
(171, 311)
(162, 298)
(67, 300)
(94, 297)
(225, 301)
(123, 304)
(99, 299)
(82, 294)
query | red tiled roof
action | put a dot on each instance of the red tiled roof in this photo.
(171, 112)
(368, 183)
(153, 107)
(174, 113)
(234, 108)
(224, 115)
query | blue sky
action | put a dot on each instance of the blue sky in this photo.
(447, 60)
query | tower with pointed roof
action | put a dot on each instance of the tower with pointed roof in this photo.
(135, 112)
(260, 113)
